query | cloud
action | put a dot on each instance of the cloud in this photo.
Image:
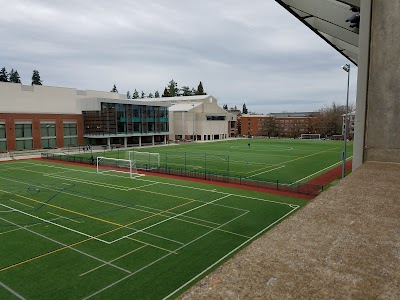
(253, 52)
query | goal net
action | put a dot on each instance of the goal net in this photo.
(124, 166)
(144, 160)
(310, 136)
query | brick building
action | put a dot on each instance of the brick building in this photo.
(279, 124)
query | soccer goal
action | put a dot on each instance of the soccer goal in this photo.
(144, 160)
(107, 164)
(310, 136)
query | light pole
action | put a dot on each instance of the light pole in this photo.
(346, 67)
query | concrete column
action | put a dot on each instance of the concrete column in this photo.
(125, 142)
(109, 143)
(140, 141)
(382, 137)
(152, 140)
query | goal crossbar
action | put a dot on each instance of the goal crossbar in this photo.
(310, 136)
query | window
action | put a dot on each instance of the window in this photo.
(23, 130)
(70, 134)
(3, 141)
(23, 136)
(48, 129)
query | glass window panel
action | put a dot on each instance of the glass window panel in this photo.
(52, 130)
(20, 145)
(28, 144)
(2, 131)
(27, 130)
(3, 146)
(19, 131)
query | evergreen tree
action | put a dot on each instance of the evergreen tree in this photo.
(150, 96)
(244, 110)
(3, 75)
(142, 95)
(165, 94)
(225, 106)
(135, 94)
(114, 89)
(128, 95)
(235, 107)
(173, 90)
(200, 90)
(156, 94)
(36, 78)
(186, 91)
(14, 76)
(193, 92)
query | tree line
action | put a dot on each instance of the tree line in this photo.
(171, 90)
(14, 77)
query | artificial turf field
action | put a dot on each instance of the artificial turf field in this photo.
(286, 160)
(69, 233)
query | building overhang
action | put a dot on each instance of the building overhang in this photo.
(327, 18)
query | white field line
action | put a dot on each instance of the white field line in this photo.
(322, 170)
(102, 265)
(170, 218)
(61, 217)
(178, 185)
(11, 291)
(151, 245)
(226, 255)
(69, 247)
(96, 200)
(12, 230)
(21, 203)
(165, 256)
(301, 157)
(55, 224)
(139, 187)
(266, 171)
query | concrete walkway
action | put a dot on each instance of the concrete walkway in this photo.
(345, 244)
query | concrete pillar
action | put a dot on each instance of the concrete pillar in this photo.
(109, 143)
(382, 135)
(125, 142)
(152, 140)
(140, 141)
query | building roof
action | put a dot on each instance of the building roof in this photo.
(328, 19)
(183, 106)
(180, 98)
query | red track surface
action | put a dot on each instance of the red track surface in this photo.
(320, 180)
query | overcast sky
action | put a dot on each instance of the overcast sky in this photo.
(251, 52)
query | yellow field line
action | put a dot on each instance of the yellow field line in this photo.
(83, 241)
(64, 209)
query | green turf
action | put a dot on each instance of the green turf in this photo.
(67, 232)
(286, 160)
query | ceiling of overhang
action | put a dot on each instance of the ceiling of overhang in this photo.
(327, 18)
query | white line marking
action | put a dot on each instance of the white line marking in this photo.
(139, 187)
(266, 171)
(225, 256)
(65, 245)
(50, 222)
(170, 218)
(161, 258)
(20, 228)
(63, 217)
(21, 203)
(126, 254)
(322, 170)
(11, 291)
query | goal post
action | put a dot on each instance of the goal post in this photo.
(144, 160)
(310, 136)
(108, 164)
